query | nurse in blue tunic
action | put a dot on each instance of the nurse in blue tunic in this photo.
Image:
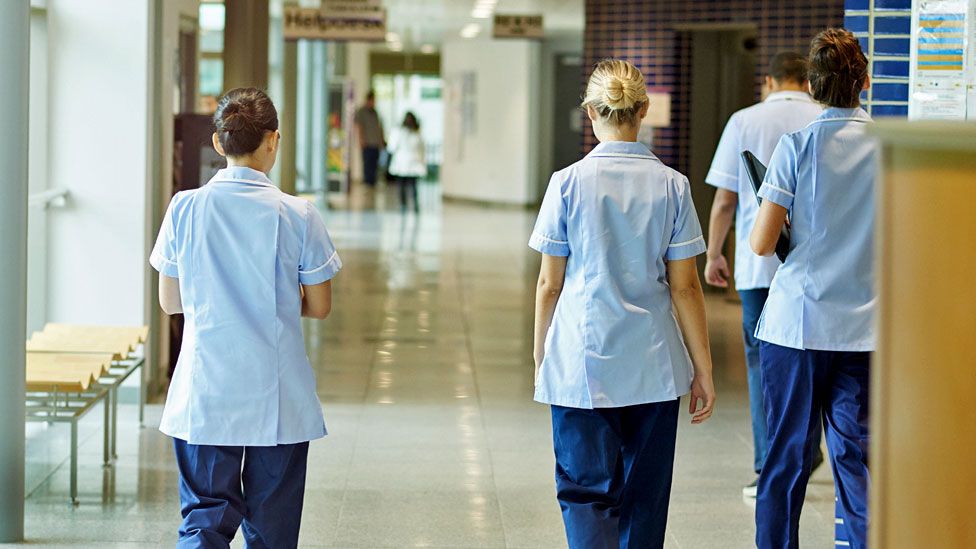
(620, 330)
(817, 328)
(243, 262)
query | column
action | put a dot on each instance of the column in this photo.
(14, 63)
(288, 119)
(246, 43)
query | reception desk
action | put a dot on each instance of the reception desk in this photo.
(923, 447)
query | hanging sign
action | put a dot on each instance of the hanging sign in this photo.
(518, 26)
(339, 21)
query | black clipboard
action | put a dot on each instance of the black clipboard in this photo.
(757, 172)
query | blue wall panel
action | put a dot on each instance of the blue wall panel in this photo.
(883, 28)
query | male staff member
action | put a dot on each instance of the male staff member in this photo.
(371, 140)
(786, 108)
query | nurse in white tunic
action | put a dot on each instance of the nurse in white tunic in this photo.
(243, 262)
(786, 108)
(620, 329)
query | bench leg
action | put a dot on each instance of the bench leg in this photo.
(107, 430)
(142, 392)
(113, 396)
(74, 462)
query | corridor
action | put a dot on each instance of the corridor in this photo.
(424, 370)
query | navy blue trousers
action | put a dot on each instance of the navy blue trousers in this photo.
(613, 473)
(257, 488)
(371, 164)
(753, 302)
(799, 388)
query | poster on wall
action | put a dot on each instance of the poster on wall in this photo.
(941, 60)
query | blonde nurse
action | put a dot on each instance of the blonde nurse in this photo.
(617, 289)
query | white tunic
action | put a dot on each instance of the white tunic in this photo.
(757, 129)
(240, 248)
(407, 148)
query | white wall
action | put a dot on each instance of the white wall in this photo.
(498, 161)
(99, 113)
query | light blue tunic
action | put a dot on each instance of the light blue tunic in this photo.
(240, 248)
(618, 215)
(757, 129)
(823, 297)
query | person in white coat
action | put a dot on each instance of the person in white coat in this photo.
(243, 262)
(408, 161)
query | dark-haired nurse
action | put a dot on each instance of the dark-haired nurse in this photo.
(243, 262)
(817, 328)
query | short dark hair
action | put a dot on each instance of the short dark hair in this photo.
(788, 66)
(242, 118)
(838, 68)
(370, 95)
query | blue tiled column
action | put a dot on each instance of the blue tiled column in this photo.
(884, 29)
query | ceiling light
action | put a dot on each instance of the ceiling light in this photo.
(470, 30)
(428, 49)
(392, 37)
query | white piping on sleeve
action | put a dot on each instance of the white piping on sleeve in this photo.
(686, 242)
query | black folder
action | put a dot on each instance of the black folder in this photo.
(757, 172)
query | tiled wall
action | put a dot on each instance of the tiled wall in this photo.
(644, 32)
(884, 29)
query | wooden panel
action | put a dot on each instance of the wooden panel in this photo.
(84, 331)
(924, 421)
(64, 372)
(119, 345)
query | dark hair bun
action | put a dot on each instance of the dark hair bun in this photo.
(242, 118)
(838, 68)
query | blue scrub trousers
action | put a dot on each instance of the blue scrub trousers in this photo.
(613, 473)
(753, 302)
(800, 387)
(258, 488)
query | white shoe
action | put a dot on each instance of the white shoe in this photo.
(750, 490)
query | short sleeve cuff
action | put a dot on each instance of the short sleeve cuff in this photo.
(325, 272)
(776, 194)
(545, 245)
(722, 180)
(686, 249)
(163, 265)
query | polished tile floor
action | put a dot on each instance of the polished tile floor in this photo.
(425, 376)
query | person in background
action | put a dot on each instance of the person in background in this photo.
(786, 107)
(369, 128)
(620, 330)
(817, 329)
(408, 161)
(243, 262)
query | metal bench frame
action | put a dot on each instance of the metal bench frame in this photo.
(69, 407)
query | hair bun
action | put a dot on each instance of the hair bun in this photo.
(616, 91)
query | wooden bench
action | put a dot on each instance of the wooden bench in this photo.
(63, 388)
(70, 367)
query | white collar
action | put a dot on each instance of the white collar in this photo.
(788, 95)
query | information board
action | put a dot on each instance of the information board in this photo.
(943, 65)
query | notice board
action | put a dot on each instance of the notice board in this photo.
(942, 80)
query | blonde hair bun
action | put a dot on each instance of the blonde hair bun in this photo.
(616, 91)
